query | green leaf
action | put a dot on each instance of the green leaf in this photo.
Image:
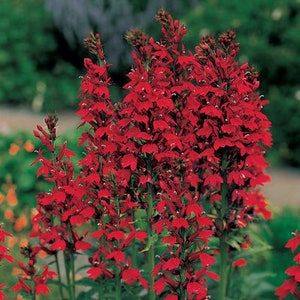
(151, 241)
(234, 244)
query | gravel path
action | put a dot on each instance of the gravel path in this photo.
(284, 189)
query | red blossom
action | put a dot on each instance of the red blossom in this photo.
(239, 263)
(171, 264)
(21, 286)
(196, 288)
(294, 242)
(132, 275)
(171, 297)
(82, 245)
(41, 288)
(2, 294)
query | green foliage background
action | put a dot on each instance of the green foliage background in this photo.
(30, 61)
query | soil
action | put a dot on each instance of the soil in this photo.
(283, 190)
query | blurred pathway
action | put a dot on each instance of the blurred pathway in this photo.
(284, 189)
(23, 119)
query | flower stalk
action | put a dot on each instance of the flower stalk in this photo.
(151, 242)
(60, 285)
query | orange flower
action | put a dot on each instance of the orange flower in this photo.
(20, 297)
(9, 214)
(1, 198)
(12, 241)
(28, 146)
(42, 254)
(12, 196)
(16, 271)
(14, 149)
(21, 222)
(23, 243)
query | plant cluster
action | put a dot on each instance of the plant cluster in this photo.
(168, 183)
(29, 48)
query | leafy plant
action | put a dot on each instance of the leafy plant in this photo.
(161, 202)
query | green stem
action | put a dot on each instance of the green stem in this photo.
(151, 253)
(223, 267)
(133, 245)
(69, 281)
(118, 295)
(224, 235)
(72, 262)
(33, 290)
(59, 277)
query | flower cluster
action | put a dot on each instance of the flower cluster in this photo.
(172, 167)
(291, 286)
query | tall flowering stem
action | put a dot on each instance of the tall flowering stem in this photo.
(108, 170)
(61, 210)
(161, 97)
(233, 134)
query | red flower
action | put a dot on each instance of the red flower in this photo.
(239, 263)
(159, 285)
(195, 288)
(21, 286)
(82, 245)
(171, 264)
(2, 295)
(289, 286)
(3, 234)
(294, 242)
(132, 275)
(41, 288)
(171, 297)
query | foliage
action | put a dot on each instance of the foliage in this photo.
(268, 35)
(16, 156)
(30, 73)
